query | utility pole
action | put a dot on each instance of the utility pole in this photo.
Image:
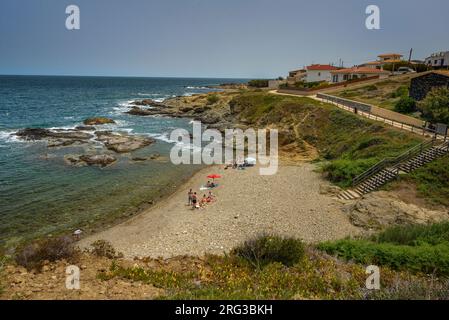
(410, 56)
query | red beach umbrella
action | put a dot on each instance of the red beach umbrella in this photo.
(214, 176)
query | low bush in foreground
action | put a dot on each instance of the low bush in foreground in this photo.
(103, 248)
(267, 249)
(34, 255)
(231, 277)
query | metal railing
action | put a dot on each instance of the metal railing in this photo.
(393, 162)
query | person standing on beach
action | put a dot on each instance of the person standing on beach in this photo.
(194, 200)
(190, 197)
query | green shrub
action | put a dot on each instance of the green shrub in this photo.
(371, 88)
(343, 171)
(400, 92)
(103, 248)
(432, 181)
(258, 83)
(267, 249)
(35, 254)
(435, 106)
(405, 105)
(414, 235)
(424, 258)
(212, 98)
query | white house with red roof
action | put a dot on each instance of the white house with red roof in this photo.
(354, 73)
(319, 72)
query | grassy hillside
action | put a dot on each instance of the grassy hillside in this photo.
(419, 249)
(348, 143)
(432, 181)
(383, 94)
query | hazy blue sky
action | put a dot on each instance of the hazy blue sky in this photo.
(210, 38)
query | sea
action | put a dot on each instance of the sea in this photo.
(41, 196)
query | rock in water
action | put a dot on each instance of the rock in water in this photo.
(33, 133)
(40, 134)
(122, 142)
(97, 121)
(85, 128)
(101, 160)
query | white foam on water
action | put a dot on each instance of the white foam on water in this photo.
(126, 104)
(197, 88)
(165, 137)
(8, 136)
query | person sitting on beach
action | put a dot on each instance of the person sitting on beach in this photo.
(204, 200)
(210, 197)
(210, 185)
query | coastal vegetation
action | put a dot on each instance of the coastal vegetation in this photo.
(212, 98)
(435, 106)
(431, 181)
(312, 275)
(348, 145)
(405, 105)
(258, 83)
(415, 248)
(385, 94)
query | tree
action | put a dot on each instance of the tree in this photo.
(405, 105)
(258, 83)
(435, 106)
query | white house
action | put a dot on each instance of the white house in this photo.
(342, 75)
(319, 72)
(438, 60)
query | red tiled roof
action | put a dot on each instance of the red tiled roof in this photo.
(321, 67)
(360, 70)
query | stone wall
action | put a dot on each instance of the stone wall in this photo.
(420, 86)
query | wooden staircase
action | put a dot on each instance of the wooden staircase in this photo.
(388, 169)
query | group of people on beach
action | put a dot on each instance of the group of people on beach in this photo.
(196, 203)
(239, 166)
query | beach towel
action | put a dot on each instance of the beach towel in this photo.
(202, 188)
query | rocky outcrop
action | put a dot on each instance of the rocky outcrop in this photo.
(379, 210)
(85, 128)
(101, 160)
(147, 102)
(97, 121)
(64, 136)
(122, 142)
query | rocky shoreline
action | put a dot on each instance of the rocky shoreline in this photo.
(213, 112)
(117, 142)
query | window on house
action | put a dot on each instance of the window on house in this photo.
(319, 74)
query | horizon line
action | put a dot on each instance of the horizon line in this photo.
(122, 76)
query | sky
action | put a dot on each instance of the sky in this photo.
(211, 38)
